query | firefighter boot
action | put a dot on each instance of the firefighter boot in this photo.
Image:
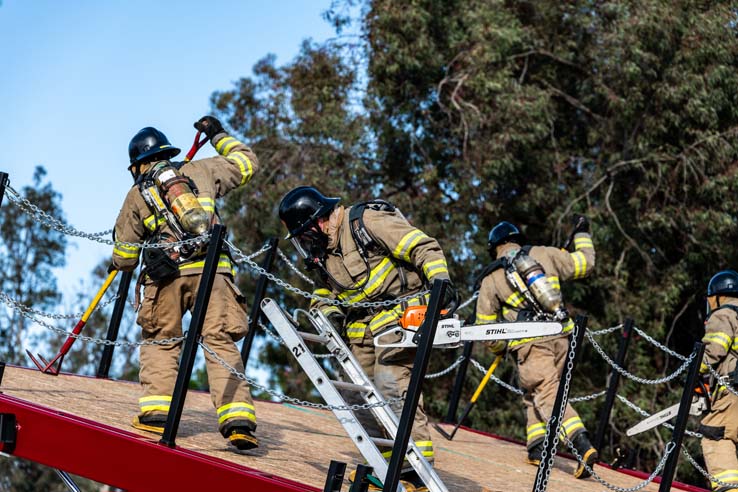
(240, 436)
(411, 478)
(587, 452)
(152, 423)
(535, 454)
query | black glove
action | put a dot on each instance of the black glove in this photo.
(111, 268)
(209, 125)
(450, 300)
(337, 320)
(581, 224)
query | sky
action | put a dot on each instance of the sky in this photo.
(79, 78)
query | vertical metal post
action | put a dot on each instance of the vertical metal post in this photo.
(3, 183)
(361, 482)
(217, 235)
(667, 477)
(120, 304)
(612, 385)
(335, 476)
(426, 334)
(554, 422)
(453, 403)
(2, 372)
(261, 286)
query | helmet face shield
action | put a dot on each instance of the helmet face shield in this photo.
(298, 246)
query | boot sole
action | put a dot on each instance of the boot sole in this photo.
(243, 442)
(590, 457)
(146, 427)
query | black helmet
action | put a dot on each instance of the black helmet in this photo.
(148, 144)
(723, 283)
(504, 232)
(302, 206)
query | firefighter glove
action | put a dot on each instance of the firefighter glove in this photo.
(337, 320)
(111, 268)
(210, 126)
(450, 300)
(581, 224)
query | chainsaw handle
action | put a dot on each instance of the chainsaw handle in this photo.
(579, 222)
(196, 145)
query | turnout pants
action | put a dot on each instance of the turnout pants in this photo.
(160, 318)
(720, 431)
(390, 370)
(540, 365)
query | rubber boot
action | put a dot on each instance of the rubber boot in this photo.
(535, 454)
(587, 452)
(240, 436)
(151, 423)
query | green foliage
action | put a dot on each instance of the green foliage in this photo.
(467, 113)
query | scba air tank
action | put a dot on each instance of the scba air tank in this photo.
(182, 201)
(537, 282)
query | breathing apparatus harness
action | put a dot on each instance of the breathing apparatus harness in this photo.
(172, 195)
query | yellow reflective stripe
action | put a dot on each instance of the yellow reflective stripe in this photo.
(330, 310)
(728, 476)
(515, 299)
(387, 454)
(407, 244)
(704, 368)
(570, 426)
(580, 264)
(355, 330)
(322, 292)
(223, 262)
(383, 318)
(568, 326)
(155, 403)
(208, 204)
(376, 279)
(247, 169)
(722, 339)
(486, 318)
(554, 282)
(535, 430)
(583, 242)
(126, 251)
(434, 268)
(236, 410)
(225, 145)
(151, 222)
(425, 447)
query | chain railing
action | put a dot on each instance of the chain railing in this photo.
(19, 306)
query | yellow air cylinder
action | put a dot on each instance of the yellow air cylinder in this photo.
(182, 201)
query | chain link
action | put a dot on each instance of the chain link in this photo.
(593, 396)
(295, 401)
(294, 268)
(704, 472)
(669, 448)
(468, 301)
(497, 380)
(19, 306)
(334, 302)
(542, 482)
(655, 343)
(447, 370)
(605, 331)
(722, 380)
(635, 378)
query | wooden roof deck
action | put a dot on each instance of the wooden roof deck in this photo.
(297, 443)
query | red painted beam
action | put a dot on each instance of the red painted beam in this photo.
(124, 459)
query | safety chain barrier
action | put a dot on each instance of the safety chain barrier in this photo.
(644, 413)
(722, 380)
(603, 354)
(294, 268)
(657, 344)
(295, 401)
(19, 306)
(651, 477)
(542, 481)
(704, 472)
(447, 370)
(605, 331)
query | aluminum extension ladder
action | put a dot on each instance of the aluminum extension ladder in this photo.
(360, 383)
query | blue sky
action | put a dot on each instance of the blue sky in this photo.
(79, 78)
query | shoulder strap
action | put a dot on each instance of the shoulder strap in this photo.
(728, 306)
(495, 265)
(359, 232)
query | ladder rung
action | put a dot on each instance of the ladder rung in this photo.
(310, 337)
(380, 441)
(350, 386)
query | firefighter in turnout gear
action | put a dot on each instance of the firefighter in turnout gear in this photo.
(720, 426)
(171, 276)
(363, 253)
(540, 360)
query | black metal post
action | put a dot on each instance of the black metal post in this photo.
(3, 183)
(554, 422)
(667, 477)
(217, 235)
(425, 336)
(361, 480)
(120, 304)
(612, 385)
(453, 403)
(335, 476)
(261, 286)
(2, 372)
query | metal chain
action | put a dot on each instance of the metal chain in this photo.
(669, 448)
(629, 375)
(542, 482)
(722, 380)
(497, 380)
(605, 331)
(308, 295)
(593, 396)
(295, 401)
(704, 472)
(294, 268)
(655, 343)
(18, 306)
(447, 370)
(468, 301)
(644, 413)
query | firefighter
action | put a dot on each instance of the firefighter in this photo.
(171, 276)
(540, 360)
(720, 426)
(363, 253)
